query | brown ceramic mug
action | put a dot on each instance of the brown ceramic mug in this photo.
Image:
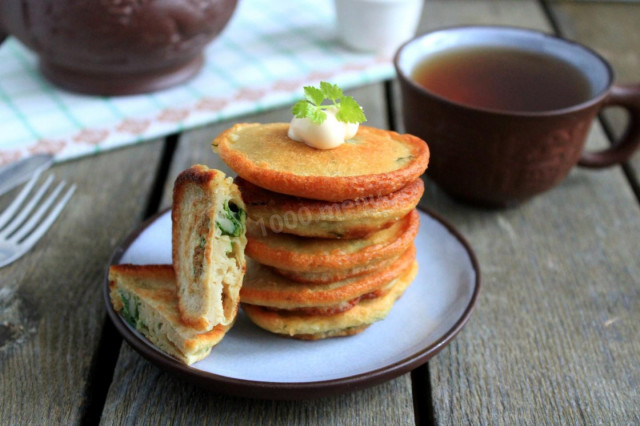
(116, 47)
(496, 157)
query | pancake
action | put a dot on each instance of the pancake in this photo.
(341, 306)
(264, 287)
(373, 163)
(337, 275)
(322, 219)
(208, 240)
(313, 327)
(299, 254)
(146, 297)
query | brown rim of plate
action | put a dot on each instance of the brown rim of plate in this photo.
(287, 390)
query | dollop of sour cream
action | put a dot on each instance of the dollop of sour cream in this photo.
(328, 135)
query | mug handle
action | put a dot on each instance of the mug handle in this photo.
(627, 97)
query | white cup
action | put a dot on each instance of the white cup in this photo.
(379, 26)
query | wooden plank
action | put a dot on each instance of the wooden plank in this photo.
(51, 306)
(554, 336)
(611, 30)
(140, 390)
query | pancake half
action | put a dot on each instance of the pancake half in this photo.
(291, 253)
(313, 327)
(312, 218)
(264, 287)
(373, 163)
(208, 241)
(146, 297)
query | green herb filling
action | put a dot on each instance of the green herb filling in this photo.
(130, 310)
(231, 220)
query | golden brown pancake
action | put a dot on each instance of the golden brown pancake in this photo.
(264, 287)
(352, 321)
(337, 275)
(313, 218)
(341, 306)
(314, 255)
(373, 163)
(146, 297)
(208, 240)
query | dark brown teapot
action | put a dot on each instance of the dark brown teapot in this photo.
(116, 47)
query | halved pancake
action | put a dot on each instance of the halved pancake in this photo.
(312, 327)
(298, 254)
(145, 295)
(266, 288)
(208, 241)
(373, 163)
(313, 218)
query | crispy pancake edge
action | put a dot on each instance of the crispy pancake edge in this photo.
(327, 188)
(306, 326)
(266, 288)
(337, 260)
(314, 218)
(331, 276)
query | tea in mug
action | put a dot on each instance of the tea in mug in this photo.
(503, 78)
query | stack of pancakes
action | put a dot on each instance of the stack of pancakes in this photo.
(330, 232)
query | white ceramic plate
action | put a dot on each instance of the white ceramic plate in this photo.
(253, 362)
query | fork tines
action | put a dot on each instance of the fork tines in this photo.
(24, 221)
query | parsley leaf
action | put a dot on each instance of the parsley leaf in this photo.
(301, 109)
(314, 95)
(349, 111)
(331, 91)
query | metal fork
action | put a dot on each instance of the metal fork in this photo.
(18, 230)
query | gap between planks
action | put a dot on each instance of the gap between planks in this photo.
(108, 350)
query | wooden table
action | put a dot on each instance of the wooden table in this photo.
(555, 337)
